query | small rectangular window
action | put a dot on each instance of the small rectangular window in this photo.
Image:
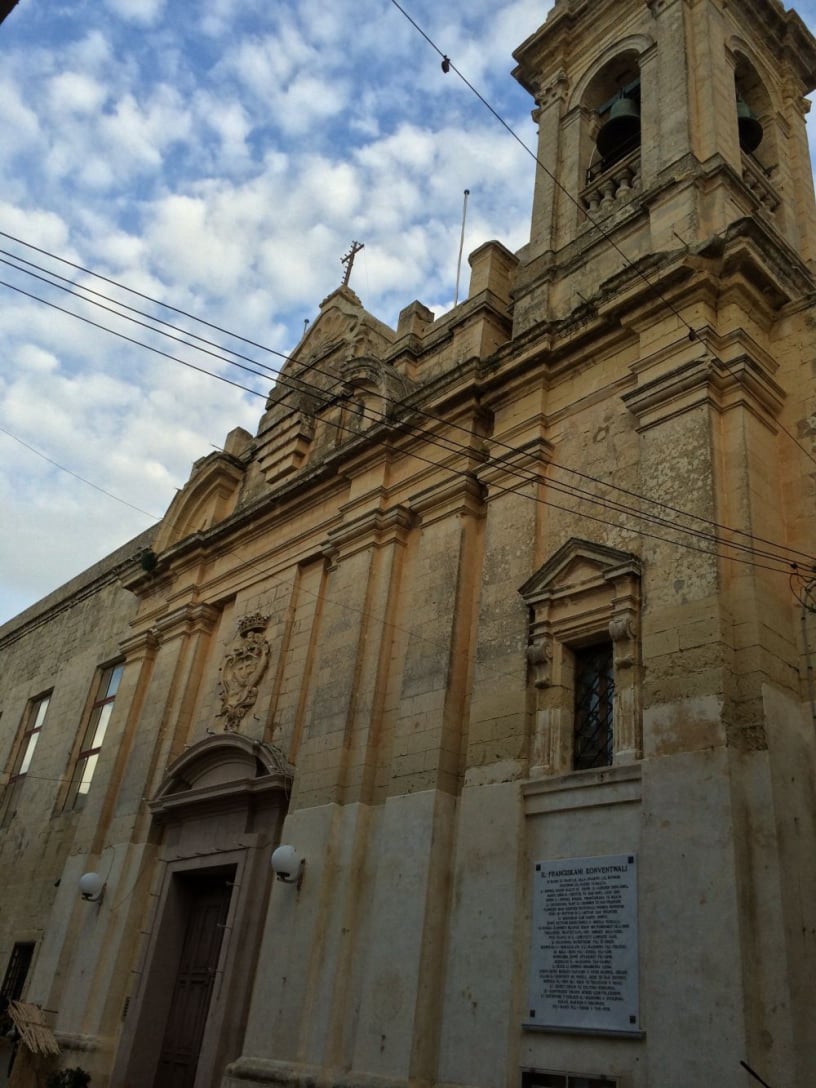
(94, 735)
(594, 697)
(534, 1078)
(17, 970)
(31, 727)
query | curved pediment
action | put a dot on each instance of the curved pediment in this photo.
(219, 767)
(208, 497)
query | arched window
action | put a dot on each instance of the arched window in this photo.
(758, 135)
(611, 135)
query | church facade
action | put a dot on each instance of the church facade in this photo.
(490, 638)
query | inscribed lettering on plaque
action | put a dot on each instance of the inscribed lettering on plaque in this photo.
(584, 954)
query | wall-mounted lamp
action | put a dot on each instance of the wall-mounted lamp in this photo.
(91, 887)
(288, 865)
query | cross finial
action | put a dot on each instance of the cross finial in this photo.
(348, 260)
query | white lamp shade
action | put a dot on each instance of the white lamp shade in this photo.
(287, 863)
(91, 885)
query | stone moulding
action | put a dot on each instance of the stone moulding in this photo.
(208, 497)
(723, 385)
(74, 1041)
(220, 768)
(294, 1075)
(583, 789)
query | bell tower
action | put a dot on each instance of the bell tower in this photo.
(662, 123)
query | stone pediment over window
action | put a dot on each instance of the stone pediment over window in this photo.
(586, 595)
(335, 384)
(217, 769)
(578, 566)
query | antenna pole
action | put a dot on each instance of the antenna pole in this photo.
(461, 247)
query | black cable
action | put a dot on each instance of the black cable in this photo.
(449, 447)
(133, 291)
(512, 450)
(132, 340)
(90, 483)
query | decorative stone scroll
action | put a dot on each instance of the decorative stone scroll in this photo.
(243, 668)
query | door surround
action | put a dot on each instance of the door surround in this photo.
(218, 810)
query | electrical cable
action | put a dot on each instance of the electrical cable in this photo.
(458, 449)
(132, 340)
(449, 446)
(580, 492)
(255, 362)
(131, 290)
(90, 483)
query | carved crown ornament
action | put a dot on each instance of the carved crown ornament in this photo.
(243, 667)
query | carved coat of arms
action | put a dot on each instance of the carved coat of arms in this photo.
(243, 668)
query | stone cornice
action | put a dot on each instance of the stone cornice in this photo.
(372, 529)
(463, 494)
(215, 798)
(531, 457)
(741, 382)
(141, 644)
(188, 619)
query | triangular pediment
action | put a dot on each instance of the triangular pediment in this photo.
(577, 565)
(342, 332)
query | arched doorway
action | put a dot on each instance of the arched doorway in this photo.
(217, 815)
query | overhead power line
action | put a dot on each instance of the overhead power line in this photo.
(714, 542)
(301, 384)
(82, 479)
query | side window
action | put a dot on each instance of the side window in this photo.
(93, 735)
(537, 1079)
(27, 741)
(17, 971)
(593, 696)
(584, 656)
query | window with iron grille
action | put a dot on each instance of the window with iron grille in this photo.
(585, 659)
(17, 970)
(94, 734)
(594, 696)
(30, 734)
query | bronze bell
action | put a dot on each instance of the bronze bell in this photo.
(621, 130)
(750, 130)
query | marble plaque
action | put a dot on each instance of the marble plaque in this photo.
(584, 954)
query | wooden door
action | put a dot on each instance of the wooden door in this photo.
(208, 903)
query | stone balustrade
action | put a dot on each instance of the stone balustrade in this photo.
(614, 186)
(759, 185)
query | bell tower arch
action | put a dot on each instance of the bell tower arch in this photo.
(660, 125)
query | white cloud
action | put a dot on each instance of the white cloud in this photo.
(31, 357)
(221, 157)
(143, 12)
(75, 92)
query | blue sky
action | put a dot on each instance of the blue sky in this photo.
(221, 155)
